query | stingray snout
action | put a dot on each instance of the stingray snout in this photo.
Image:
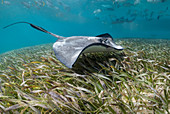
(117, 47)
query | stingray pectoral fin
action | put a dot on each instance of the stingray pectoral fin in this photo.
(66, 54)
(106, 35)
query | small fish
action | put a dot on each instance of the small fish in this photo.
(6, 2)
(26, 4)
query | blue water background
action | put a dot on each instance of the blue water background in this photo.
(120, 18)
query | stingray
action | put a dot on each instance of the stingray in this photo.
(68, 49)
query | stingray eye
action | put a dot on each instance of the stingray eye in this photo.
(101, 40)
(105, 41)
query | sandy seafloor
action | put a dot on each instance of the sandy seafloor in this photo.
(146, 67)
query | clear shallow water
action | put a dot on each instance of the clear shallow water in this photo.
(120, 18)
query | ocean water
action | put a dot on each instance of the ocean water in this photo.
(120, 18)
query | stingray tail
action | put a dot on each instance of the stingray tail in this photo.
(36, 27)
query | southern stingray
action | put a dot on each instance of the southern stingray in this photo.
(68, 49)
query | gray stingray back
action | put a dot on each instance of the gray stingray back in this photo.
(67, 50)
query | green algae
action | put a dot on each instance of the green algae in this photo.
(135, 80)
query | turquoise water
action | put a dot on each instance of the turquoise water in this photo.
(120, 18)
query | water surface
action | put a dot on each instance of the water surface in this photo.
(120, 18)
